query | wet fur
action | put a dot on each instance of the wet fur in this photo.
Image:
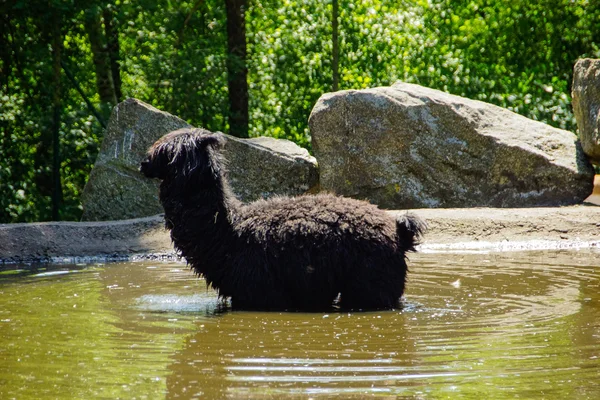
(285, 253)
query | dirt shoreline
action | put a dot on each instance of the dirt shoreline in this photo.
(469, 229)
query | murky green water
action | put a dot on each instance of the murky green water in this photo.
(510, 325)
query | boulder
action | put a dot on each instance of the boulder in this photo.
(408, 146)
(586, 106)
(264, 166)
(258, 167)
(116, 189)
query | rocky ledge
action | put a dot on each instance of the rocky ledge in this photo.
(489, 229)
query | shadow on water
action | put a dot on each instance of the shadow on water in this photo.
(498, 325)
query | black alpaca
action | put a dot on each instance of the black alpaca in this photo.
(285, 253)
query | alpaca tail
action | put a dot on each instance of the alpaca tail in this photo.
(409, 229)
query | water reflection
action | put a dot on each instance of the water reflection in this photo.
(472, 326)
(242, 354)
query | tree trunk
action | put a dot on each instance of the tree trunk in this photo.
(57, 43)
(237, 71)
(335, 57)
(113, 49)
(104, 80)
(5, 54)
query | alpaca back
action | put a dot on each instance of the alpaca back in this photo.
(311, 248)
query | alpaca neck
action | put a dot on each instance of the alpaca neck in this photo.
(200, 221)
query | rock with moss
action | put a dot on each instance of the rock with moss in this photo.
(258, 167)
(115, 189)
(408, 146)
(586, 105)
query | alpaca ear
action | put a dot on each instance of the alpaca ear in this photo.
(197, 154)
(215, 140)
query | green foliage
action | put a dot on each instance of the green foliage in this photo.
(289, 43)
(174, 58)
(517, 54)
(26, 114)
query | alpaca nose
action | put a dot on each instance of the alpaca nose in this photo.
(144, 166)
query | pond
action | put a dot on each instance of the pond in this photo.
(497, 325)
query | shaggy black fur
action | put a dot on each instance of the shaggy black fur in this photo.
(285, 253)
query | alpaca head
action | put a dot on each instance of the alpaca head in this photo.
(183, 156)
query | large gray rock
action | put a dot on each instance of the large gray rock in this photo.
(262, 167)
(407, 146)
(259, 167)
(116, 189)
(586, 105)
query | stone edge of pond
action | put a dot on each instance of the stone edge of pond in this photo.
(449, 230)
(86, 242)
(507, 246)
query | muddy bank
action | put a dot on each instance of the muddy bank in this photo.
(449, 229)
